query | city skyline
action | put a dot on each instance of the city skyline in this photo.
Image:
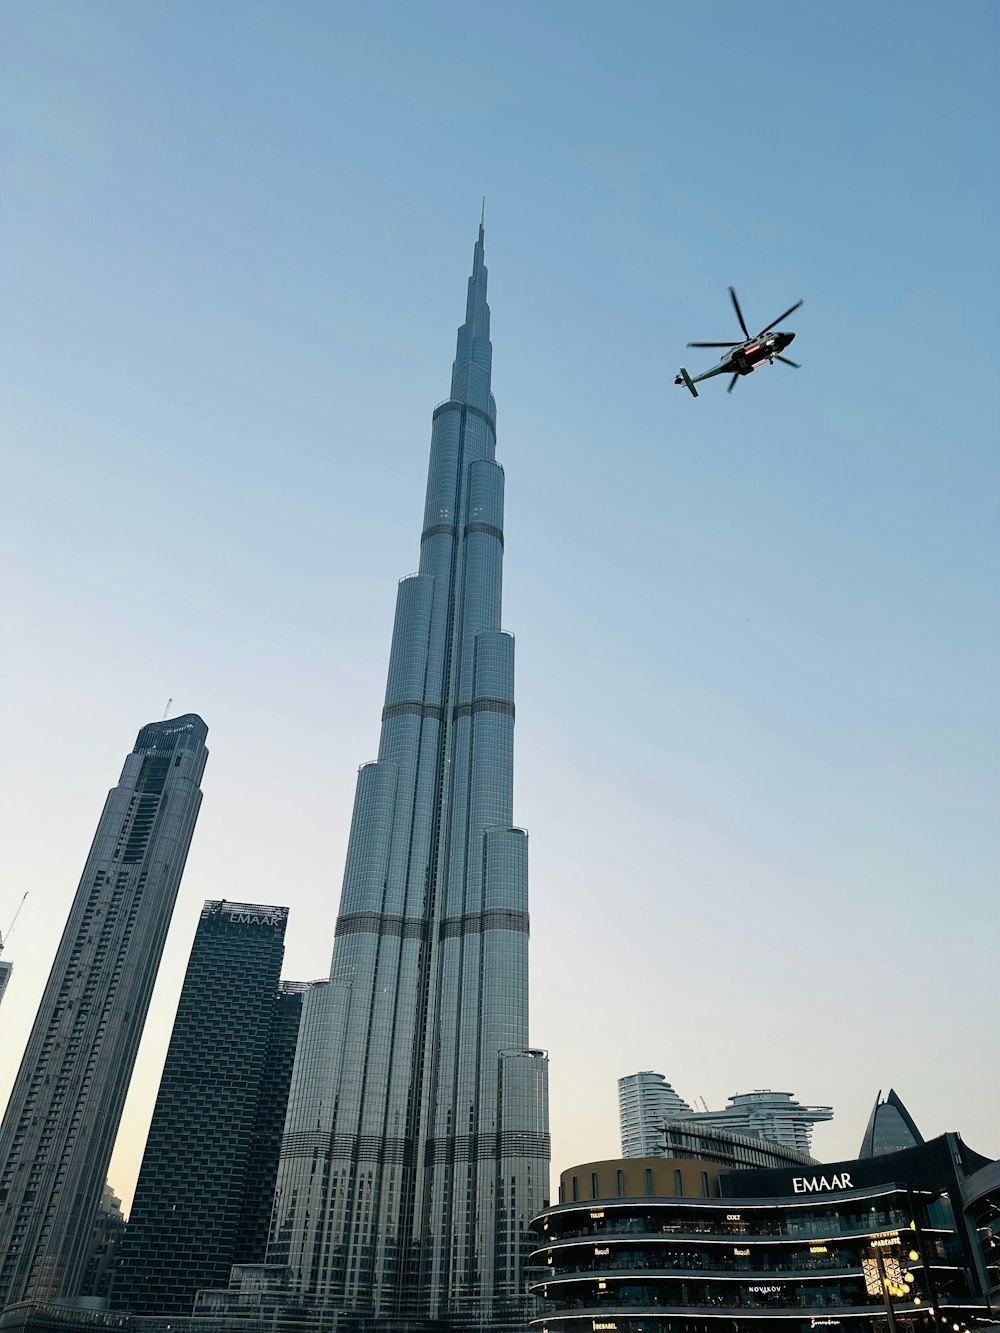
(757, 705)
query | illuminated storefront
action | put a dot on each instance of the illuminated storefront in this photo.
(881, 1246)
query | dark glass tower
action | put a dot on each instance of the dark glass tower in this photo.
(203, 1199)
(890, 1127)
(64, 1111)
(416, 1148)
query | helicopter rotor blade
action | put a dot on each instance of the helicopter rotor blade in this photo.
(732, 384)
(713, 344)
(739, 313)
(780, 318)
(787, 360)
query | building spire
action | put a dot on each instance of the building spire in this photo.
(470, 380)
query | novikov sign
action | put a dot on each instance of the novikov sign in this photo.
(813, 1184)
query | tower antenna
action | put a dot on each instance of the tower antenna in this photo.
(167, 709)
(11, 926)
(482, 215)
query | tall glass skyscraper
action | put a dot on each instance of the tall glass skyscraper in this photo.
(63, 1113)
(416, 1148)
(203, 1198)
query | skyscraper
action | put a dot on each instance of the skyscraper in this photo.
(890, 1127)
(645, 1100)
(203, 1198)
(6, 968)
(416, 1148)
(63, 1114)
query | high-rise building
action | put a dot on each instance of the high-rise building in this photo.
(6, 968)
(890, 1127)
(767, 1115)
(416, 1148)
(645, 1100)
(203, 1198)
(63, 1114)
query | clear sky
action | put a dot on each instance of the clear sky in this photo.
(758, 635)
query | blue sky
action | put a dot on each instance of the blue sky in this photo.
(757, 635)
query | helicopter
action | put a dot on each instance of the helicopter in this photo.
(744, 357)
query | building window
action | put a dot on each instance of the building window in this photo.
(649, 1183)
(576, 1189)
(620, 1175)
(704, 1184)
(678, 1183)
(594, 1192)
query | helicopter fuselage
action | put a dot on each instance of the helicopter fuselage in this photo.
(744, 358)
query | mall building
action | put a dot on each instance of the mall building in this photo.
(905, 1242)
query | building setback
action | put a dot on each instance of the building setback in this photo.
(417, 1147)
(63, 1114)
(203, 1198)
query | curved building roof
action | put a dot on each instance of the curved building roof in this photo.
(890, 1127)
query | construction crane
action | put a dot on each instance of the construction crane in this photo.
(3, 937)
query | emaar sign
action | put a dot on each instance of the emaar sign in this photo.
(813, 1184)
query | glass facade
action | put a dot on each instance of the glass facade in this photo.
(416, 1148)
(63, 1114)
(203, 1198)
(890, 1128)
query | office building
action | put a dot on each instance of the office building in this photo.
(416, 1148)
(894, 1244)
(890, 1127)
(645, 1100)
(203, 1198)
(64, 1110)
